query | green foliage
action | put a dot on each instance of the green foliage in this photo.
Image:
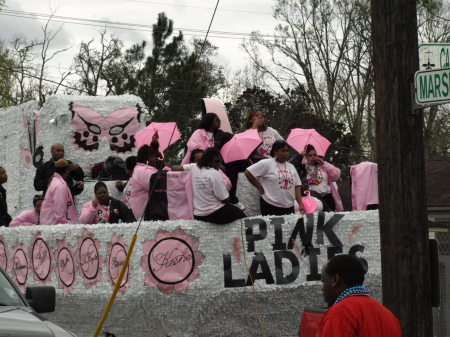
(170, 81)
(6, 64)
(173, 79)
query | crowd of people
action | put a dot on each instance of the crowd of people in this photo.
(281, 182)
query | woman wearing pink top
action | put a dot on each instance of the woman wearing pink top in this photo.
(321, 175)
(29, 217)
(147, 164)
(58, 206)
(104, 209)
(125, 188)
(207, 135)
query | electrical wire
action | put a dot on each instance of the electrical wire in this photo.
(199, 7)
(123, 25)
(43, 78)
(133, 241)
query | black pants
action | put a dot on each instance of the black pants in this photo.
(228, 213)
(327, 201)
(232, 171)
(268, 209)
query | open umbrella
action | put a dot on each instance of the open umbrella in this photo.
(240, 146)
(168, 134)
(299, 138)
(216, 106)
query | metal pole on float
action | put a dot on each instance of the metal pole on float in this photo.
(116, 286)
(128, 256)
(133, 240)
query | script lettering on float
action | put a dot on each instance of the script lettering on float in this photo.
(257, 230)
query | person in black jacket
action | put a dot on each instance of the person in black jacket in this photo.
(5, 218)
(104, 209)
(44, 173)
(297, 161)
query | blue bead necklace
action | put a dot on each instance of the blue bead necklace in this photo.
(353, 291)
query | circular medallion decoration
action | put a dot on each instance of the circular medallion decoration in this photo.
(89, 263)
(117, 252)
(40, 257)
(168, 255)
(4, 254)
(171, 261)
(20, 266)
(65, 265)
(89, 259)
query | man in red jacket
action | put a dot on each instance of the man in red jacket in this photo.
(352, 313)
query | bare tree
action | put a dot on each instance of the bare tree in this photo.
(23, 80)
(91, 63)
(45, 57)
(326, 46)
(434, 27)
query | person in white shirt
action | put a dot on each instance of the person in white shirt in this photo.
(277, 180)
(268, 135)
(196, 157)
(211, 198)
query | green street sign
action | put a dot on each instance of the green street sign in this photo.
(432, 86)
(434, 56)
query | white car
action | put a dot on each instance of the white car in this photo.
(19, 315)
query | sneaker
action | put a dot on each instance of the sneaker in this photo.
(240, 205)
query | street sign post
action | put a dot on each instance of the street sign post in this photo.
(432, 86)
(434, 56)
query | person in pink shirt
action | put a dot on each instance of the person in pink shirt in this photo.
(58, 206)
(207, 135)
(321, 176)
(125, 187)
(29, 217)
(147, 164)
(104, 209)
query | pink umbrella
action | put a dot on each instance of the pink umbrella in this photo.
(299, 138)
(168, 134)
(240, 146)
(216, 106)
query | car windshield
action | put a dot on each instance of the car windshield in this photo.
(8, 294)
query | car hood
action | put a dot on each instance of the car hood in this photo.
(23, 322)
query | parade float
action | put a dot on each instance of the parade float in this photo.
(252, 277)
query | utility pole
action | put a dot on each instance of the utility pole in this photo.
(400, 152)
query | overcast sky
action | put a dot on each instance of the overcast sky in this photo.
(232, 16)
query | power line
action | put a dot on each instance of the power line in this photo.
(114, 27)
(46, 79)
(197, 59)
(119, 24)
(43, 78)
(199, 7)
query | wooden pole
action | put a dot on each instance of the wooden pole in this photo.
(400, 152)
